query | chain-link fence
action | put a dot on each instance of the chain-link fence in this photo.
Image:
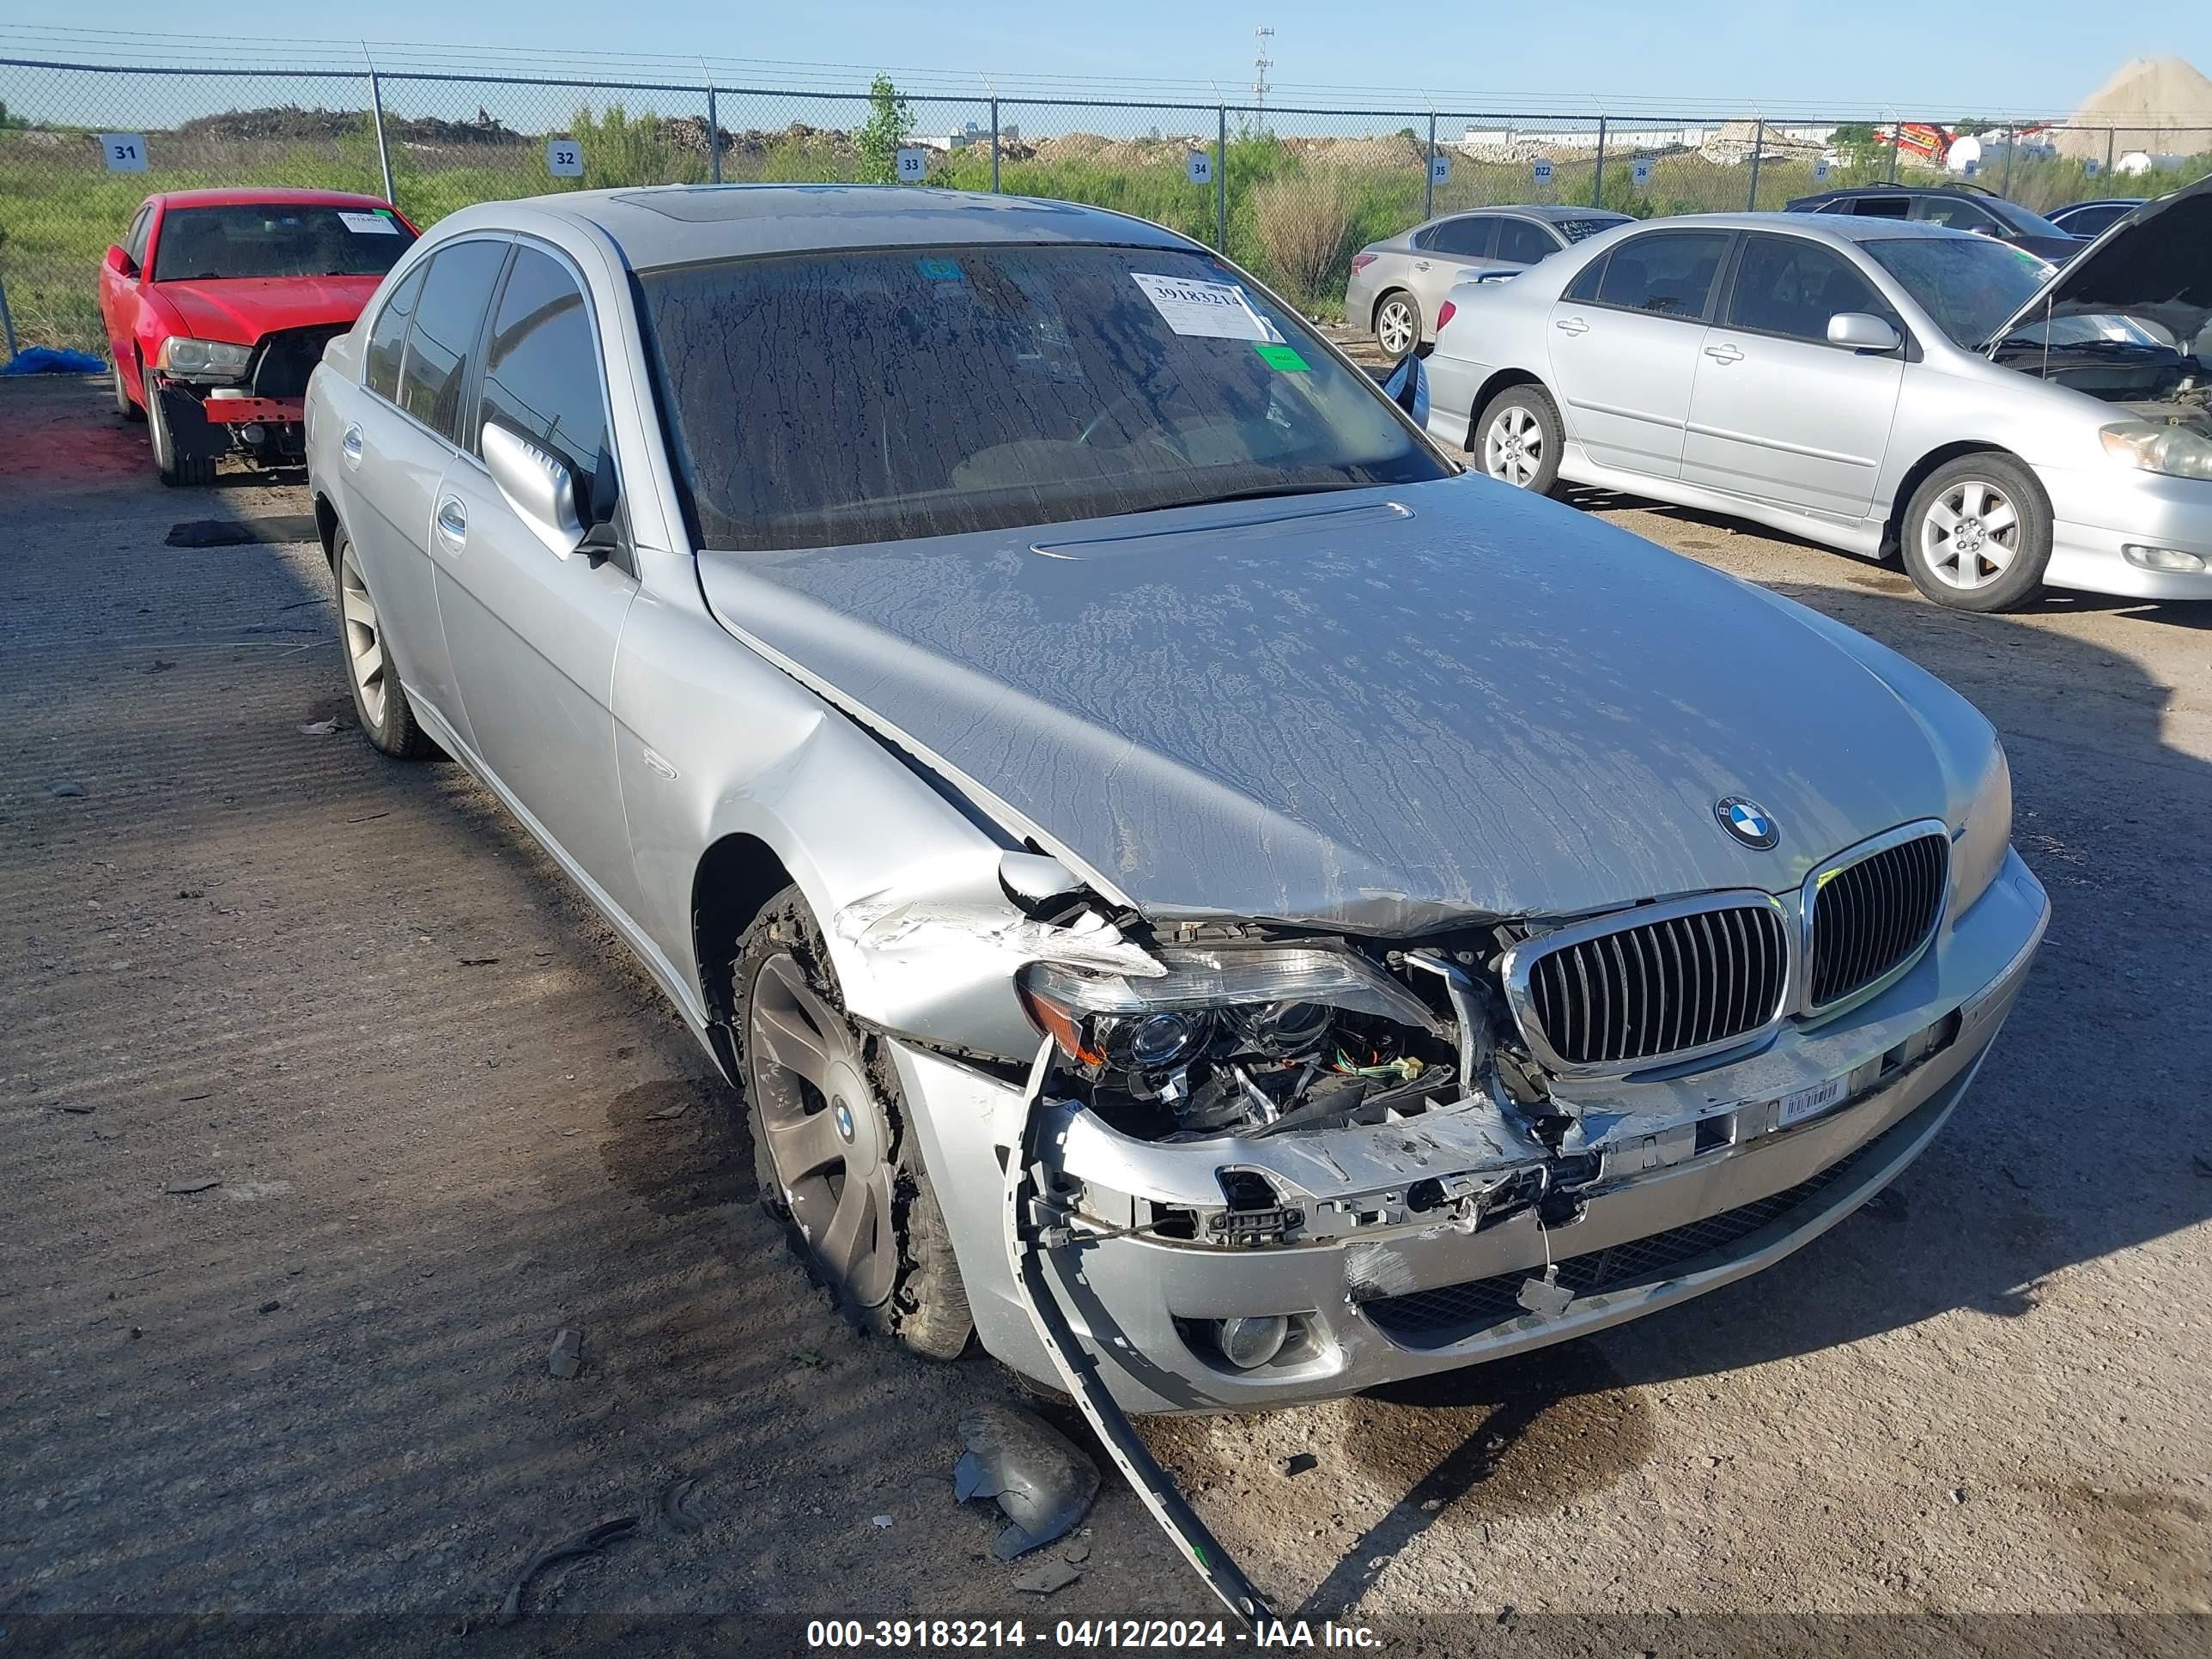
(1290, 193)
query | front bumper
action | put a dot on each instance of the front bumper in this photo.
(1674, 1212)
(2099, 514)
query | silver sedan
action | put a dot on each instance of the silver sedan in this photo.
(1167, 859)
(1872, 384)
(1399, 284)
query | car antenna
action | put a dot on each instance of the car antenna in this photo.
(1034, 1255)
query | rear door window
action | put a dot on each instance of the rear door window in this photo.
(387, 339)
(1667, 273)
(1468, 238)
(448, 317)
(542, 373)
(1960, 216)
(1586, 280)
(1524, 242)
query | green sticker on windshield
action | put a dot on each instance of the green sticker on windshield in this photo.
(1280, 356)
(939, 271)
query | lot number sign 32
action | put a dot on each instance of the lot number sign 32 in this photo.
(564, 158)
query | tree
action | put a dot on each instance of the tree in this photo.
(890, 125)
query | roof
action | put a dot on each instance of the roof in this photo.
(676, 224)
(275, 195)
(1843, 227)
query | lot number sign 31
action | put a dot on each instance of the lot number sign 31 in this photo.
(125, 152)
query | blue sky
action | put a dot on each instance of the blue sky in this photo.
(1945, 59)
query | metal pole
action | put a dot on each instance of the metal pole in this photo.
(1221, 180)
(2012, 144)
(1429, 167)
(7, 322)
(1597, 178)
(995, 145)
(376, 112)
(1758, 144)
(2109, 136)
(714, 139)
(1896, 145)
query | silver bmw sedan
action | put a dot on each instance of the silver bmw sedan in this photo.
(1113, 798)
(1875, 385)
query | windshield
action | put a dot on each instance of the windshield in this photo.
(1969, 285)
(201, 244)
(889, 394)
(1575, 230)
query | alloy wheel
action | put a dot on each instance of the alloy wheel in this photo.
(828, 1140)
(1513, 447)
(1971, 535)
(1395, 327)
(364, 638)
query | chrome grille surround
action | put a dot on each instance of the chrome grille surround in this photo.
(1874, 937)
(1737, 951)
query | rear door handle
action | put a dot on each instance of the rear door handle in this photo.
(1571, 325)
(1723, 354)
(350, 444)
(1420, 265)
(452, 523)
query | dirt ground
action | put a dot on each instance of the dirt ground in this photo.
(434, 1114)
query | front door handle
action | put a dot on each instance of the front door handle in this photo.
(349, 445)
(1723, 354)
(1420, 265)
(452, 523)
(1571, 325)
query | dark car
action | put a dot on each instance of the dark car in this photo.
(2095, 218)
(1961, 206)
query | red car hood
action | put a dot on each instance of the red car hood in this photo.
(242, 309)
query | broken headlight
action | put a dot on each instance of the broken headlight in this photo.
(1237, 1034)
(1979, 851)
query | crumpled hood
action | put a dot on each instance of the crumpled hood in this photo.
(242, 309)
(2155, 262)
(1387, 710)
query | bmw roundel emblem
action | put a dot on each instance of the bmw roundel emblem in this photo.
(1747, 821)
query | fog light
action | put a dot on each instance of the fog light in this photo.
(253, 432)
(1250, 1340)
(2162, 558)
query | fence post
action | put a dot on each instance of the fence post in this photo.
(7, 323)
(1896, 144)
(2109, 136)
(1429, 172)
(2012, 144)
(1597, 178)
(1757, 144)
(376, 112)
(714, 139)
(994, 145)
(1221, 178)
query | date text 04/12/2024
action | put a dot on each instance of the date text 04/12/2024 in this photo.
(1085, 1635)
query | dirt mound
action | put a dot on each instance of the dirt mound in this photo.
(2156, 104)
(291, 122)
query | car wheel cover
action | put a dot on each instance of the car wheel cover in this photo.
(827, 1137)
(1393, 327)
(364, 639)
(1513, 447)
(1970, 535)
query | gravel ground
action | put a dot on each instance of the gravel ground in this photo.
(432, 1114)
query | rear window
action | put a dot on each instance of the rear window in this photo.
(206, 244)
(1575, 230)
(893, 394)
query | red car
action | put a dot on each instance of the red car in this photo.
(217, 306)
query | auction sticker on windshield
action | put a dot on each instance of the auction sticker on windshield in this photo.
(1210, 310)
(368, 224)
(1795, 1108)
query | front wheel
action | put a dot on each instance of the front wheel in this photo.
(1397, 323)
(833, 1145)
(1519, 437)
(1976, 534)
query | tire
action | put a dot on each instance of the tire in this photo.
(379, 701)
(184, 472)
(1397, 323)
(1976, 535)
(888, 1259)
(124, 408)
(1518, 438)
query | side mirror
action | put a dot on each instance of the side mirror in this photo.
(1862, 330)
(1408, 387)
(120, 262)
(537, 486)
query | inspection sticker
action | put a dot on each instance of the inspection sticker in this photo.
(368, 224)
(1209, 311)
(939, 271)
(1795, 1108)
(1284, 357)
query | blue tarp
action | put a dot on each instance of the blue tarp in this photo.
(45, 360)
